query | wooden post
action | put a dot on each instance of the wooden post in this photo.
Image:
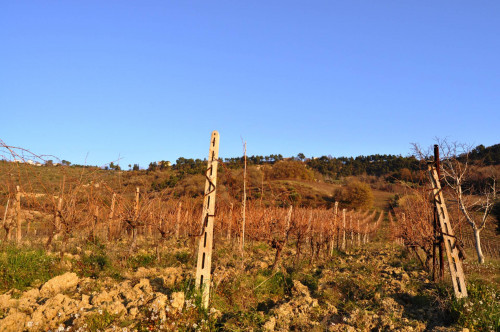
(343, 230)
(309, 226)
(351, 228)
(57, 217)
(334, 223)
(18, 215)
(96, 221)
(111, 215)
(204, 263)
(450, 241)
(135, 222)
(359, 233)
(230, 222)
(244, 198)
(4, 221)
(178, 220)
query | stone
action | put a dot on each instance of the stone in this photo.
(133, 311)
(270, 324)
(59, 284)
(14, 322)
(53, 311)
(178, 300)
(171, 275)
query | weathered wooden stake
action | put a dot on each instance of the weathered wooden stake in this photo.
(135, 222)
(244, 199)
(4, 221)
(18, 215)
(359, 233)
(230, 222)
(343, 230)
(450, 241)
(111, 215)
(178, 220)
(204, 264)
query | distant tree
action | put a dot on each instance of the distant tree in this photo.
(152, 166)
(290, 169)
(114, 167)
(49, 163)
(65, 162)
(357, 195)
(301, 157)
(135, 167)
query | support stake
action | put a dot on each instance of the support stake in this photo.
(450, 241)
(203, 267)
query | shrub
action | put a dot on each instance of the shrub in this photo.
(356, 195)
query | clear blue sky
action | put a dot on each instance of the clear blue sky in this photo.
(149, 80)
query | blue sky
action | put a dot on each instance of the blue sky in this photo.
(150, 80)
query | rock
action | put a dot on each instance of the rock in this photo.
(143, 286)
(14, 322)
(7, 302)
(109, 301)
(115, 308)
(27, 302)
(53, 311)
(133, 311)
(101, 298)
(59, 284)
(270, 324)
(143, 272)
(171, 275)
(160, 302)
(405, 277)
(299, 289)
(178, 300)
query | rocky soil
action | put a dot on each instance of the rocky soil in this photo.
(363, 290)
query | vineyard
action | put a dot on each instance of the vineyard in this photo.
(85, 250)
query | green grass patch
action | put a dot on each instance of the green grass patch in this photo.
(480, 311)
(99, 321)
(21, 268)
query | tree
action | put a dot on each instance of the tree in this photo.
(358, 195)
(301, 157)
(65, 162)
(114, 167)
(457, 172)
(152, 166)
(135, 167)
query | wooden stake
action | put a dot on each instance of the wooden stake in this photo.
(18, 215)
(111, 215)
(204, 264)
(230, 222)
(343, 230)
(178, 220)
(244, 199)
(450, 241)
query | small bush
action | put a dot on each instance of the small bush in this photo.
(93, 265)
(141, 260)
(99, 321)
